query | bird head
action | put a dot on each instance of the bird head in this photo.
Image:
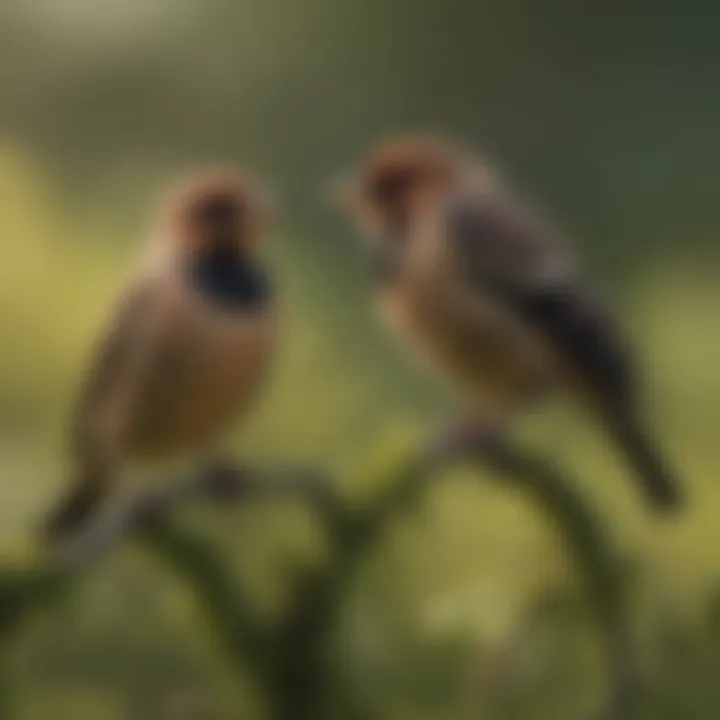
(220, 211)
(396, 181)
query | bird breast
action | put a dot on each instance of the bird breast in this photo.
(211, 368)
(461, 332)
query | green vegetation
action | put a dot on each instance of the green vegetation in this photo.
(469, 606)
(474, 581)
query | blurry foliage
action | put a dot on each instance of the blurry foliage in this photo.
(606, 111)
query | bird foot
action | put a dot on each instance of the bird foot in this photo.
(463, 435)
(224, 479)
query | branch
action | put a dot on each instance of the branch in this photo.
(303, 640)
(587, 539)
(291, 661)
(220, 483)
(25, 588)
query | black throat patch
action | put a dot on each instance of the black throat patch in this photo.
(230, 281)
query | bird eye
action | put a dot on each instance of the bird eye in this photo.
(388, 188)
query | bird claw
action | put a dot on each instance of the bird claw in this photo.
(226, 480)
(462, 436)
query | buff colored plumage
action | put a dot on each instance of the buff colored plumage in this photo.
(187, 347)
(485, 291)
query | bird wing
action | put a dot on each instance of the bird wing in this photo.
(507, 251)
(121, 368)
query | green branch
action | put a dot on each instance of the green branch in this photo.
(292, 661)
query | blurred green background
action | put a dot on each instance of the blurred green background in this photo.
(606, 112)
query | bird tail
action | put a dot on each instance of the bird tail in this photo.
(76, 507)
(658, 480)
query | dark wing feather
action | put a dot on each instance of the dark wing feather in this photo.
(507, 251)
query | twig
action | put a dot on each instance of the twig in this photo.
(220, 482)
(303, 668)
(586, 538)
(291, 661)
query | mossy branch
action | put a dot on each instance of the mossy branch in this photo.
(304, 638)
(291, 661)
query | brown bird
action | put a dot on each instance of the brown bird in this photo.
(488, 293)
(187, 347)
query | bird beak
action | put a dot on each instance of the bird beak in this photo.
(341, 193)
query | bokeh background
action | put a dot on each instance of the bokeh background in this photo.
(605, 112)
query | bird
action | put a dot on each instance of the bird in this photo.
(187, 347)
(486, 291)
